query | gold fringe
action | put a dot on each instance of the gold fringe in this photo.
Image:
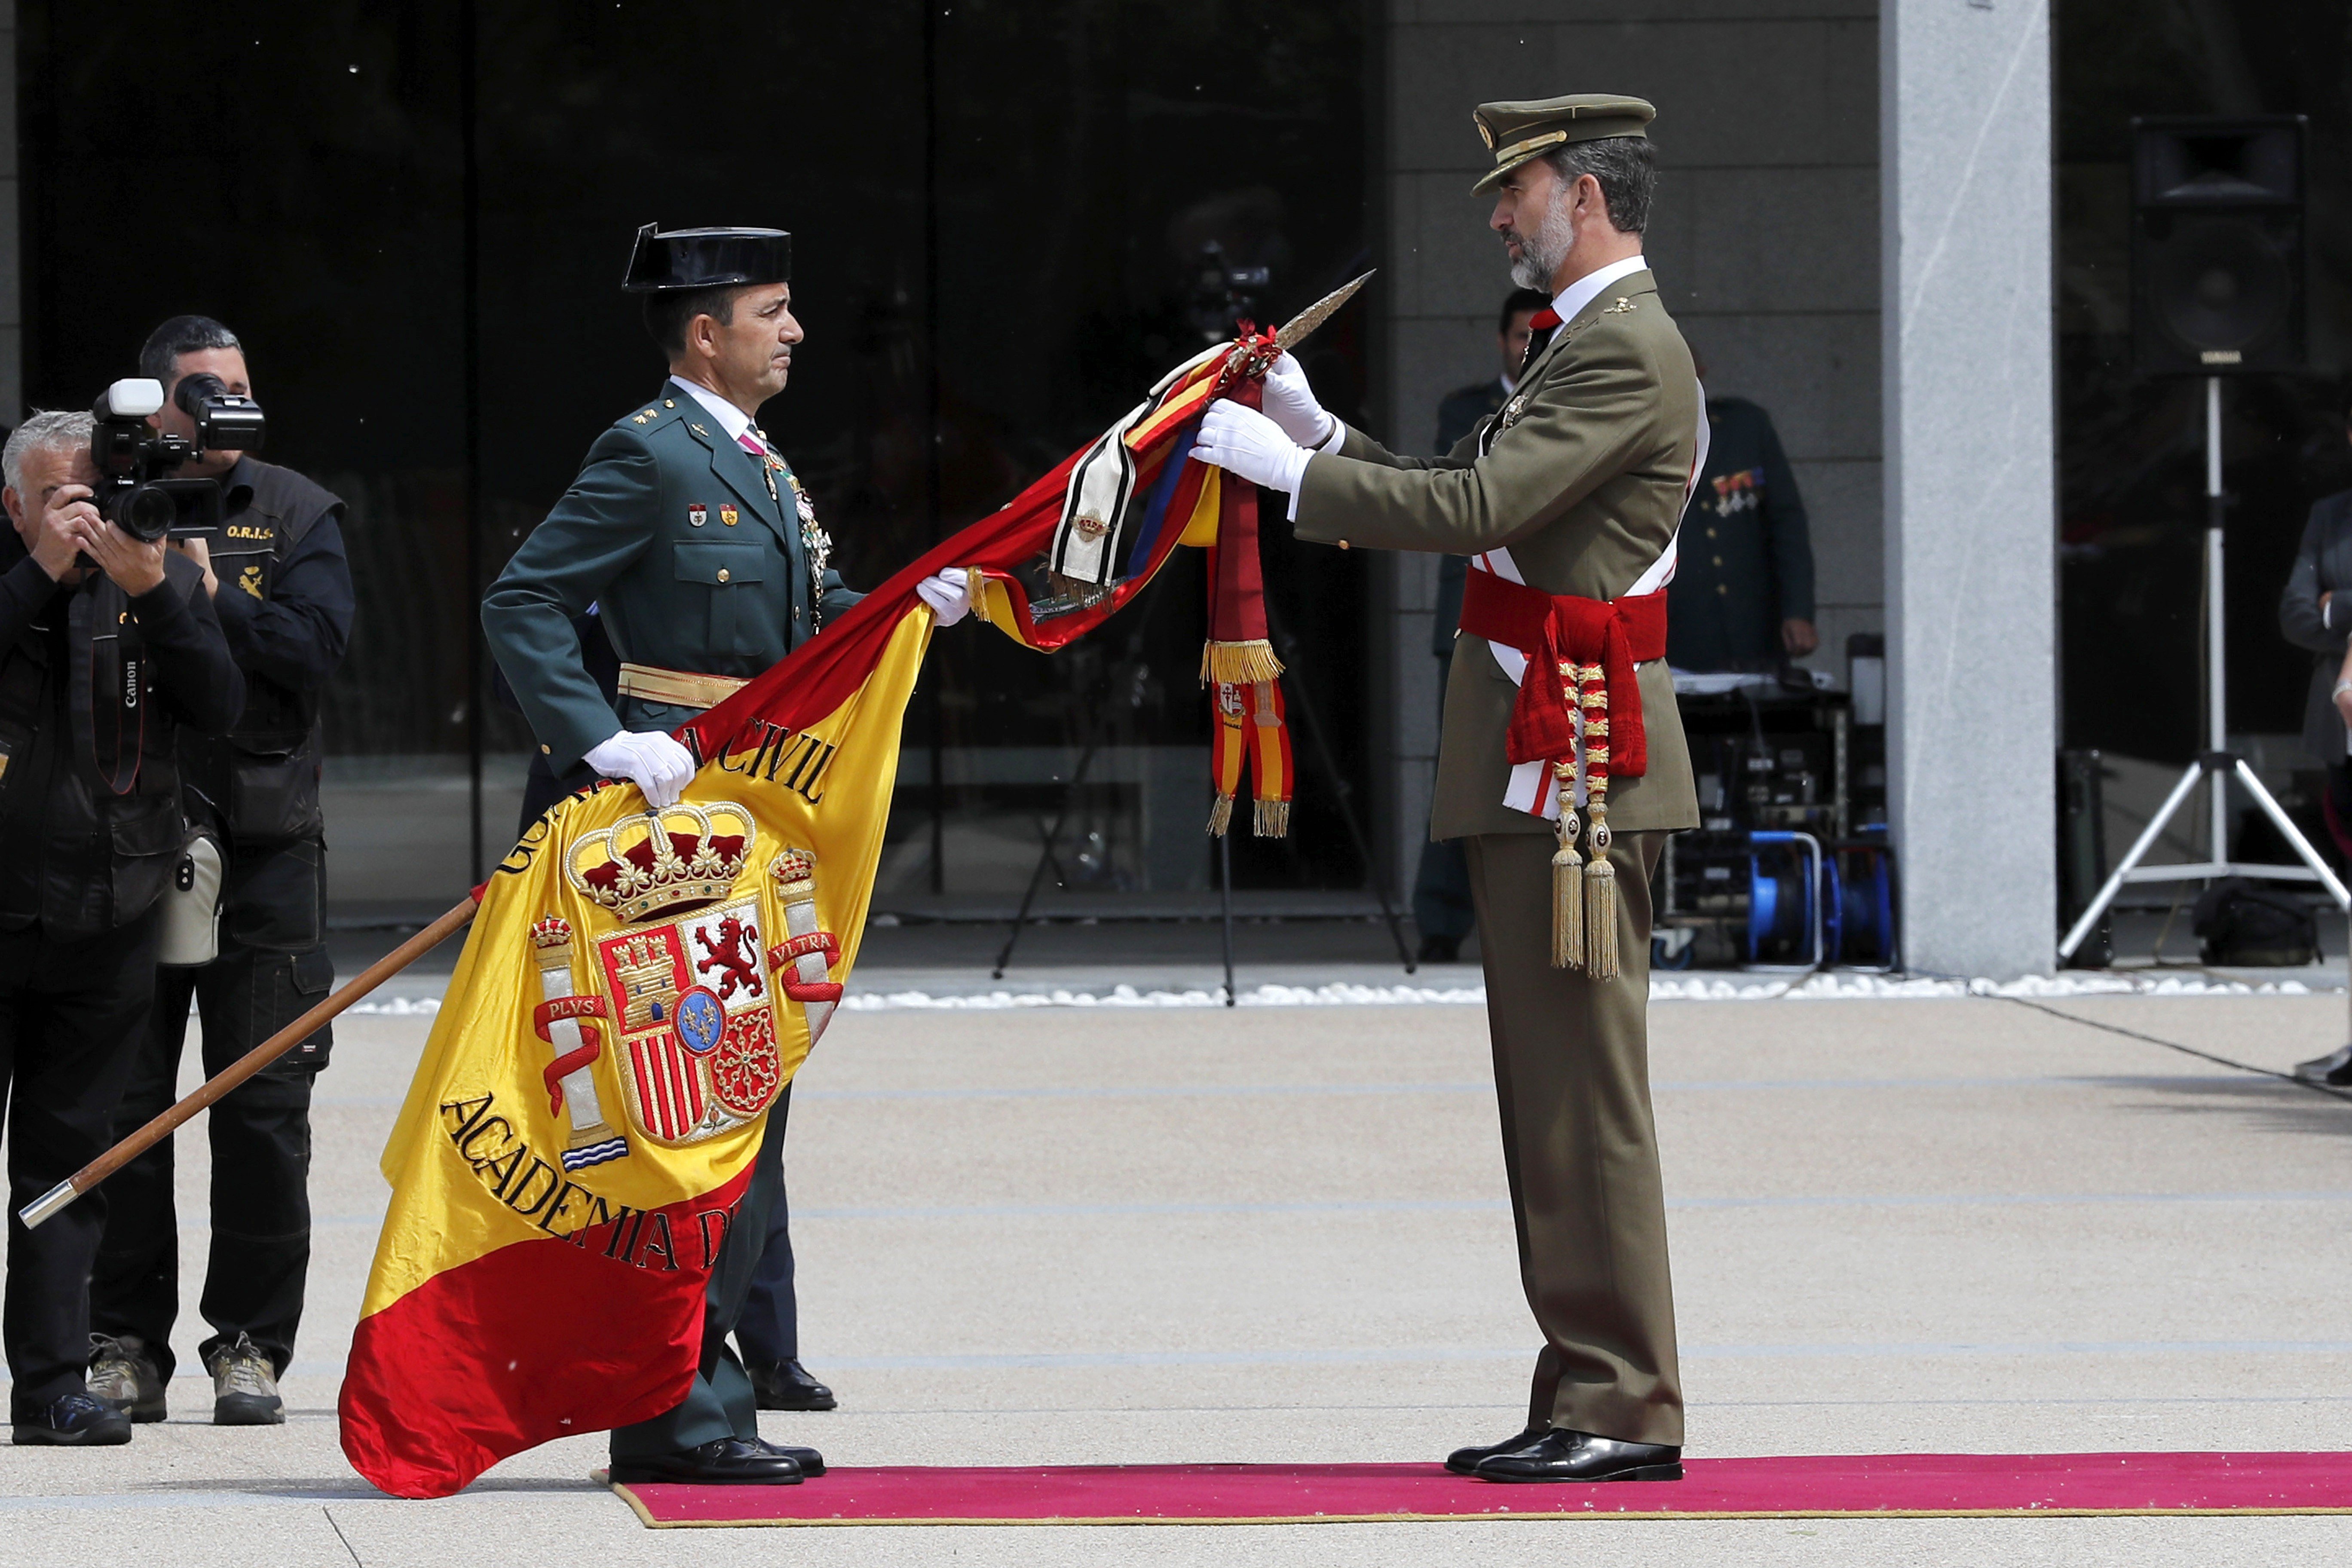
(1567, 896)
(1238, 663)
(1601, 903)
(1221, 816)
(1272, 819)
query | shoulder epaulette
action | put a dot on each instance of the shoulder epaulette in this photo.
(651, 414)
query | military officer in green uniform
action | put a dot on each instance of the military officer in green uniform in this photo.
(691, 536)
(1567, 500)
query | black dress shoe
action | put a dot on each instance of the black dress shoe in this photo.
(788, 1386)
(2334, 1067)
(811, 1462)
(730, 1461)
(1563, 1456)
(73, 1420)
(1464, 1462)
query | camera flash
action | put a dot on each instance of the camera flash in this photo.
(135, 397)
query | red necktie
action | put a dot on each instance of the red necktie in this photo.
(1540, 327)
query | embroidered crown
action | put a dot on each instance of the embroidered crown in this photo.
(681, 857)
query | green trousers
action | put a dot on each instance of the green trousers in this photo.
(722, 1404)
(1573, 1079)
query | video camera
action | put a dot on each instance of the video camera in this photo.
(136, 491)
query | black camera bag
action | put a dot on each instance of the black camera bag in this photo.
(2242, 924)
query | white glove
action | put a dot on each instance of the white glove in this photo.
(1290, 402)
(646, 758)
(948, 593)
(1249, 445)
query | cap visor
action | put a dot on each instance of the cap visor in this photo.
(1497, 174)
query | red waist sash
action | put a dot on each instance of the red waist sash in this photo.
(1552, 630)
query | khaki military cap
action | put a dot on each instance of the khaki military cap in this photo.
(1516, 132)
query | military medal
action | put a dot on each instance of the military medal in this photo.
(814, 542)
(696, 515)
(729, 516)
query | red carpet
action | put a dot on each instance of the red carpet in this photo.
(1913, 1484)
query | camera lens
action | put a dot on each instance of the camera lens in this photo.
(194, 391)
(145, 512)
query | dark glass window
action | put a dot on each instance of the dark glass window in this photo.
(1009, 216)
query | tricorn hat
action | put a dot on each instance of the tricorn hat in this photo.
(706, 258)
(1516, 132)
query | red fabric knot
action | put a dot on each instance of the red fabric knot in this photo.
(1543, 320)
(1616, 635)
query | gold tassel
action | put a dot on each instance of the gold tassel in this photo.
(1221, 816)
(1238, 663)
(1272, 819)
(1600, 899)
(1567, 881)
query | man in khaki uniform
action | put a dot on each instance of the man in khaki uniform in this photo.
(1568, 501)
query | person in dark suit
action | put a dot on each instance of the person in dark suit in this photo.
(2310, 618)
(1440, 886)
(1742, 597)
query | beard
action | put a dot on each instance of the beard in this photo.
(1541, 252)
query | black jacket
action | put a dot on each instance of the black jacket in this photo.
(285, 605)
(2322, 565)
(1745, 558)
(90, 798)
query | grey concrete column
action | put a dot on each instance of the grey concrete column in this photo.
(1965, 215)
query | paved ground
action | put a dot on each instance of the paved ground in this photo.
(1278, 1233)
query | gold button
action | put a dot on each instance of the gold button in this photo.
(547, 750)
(1723, 588)
(667, 404)
(1343, 544)
(722, 573)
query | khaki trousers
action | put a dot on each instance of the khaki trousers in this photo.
(1572, 1077)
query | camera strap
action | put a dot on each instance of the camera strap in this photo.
(111, 669)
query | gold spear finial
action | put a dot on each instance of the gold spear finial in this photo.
(1294, 331)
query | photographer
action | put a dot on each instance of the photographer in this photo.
(2310, 618)
(277, 574)
(101, 665)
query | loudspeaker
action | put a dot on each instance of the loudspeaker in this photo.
(2217, 244)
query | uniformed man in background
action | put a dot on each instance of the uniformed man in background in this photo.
(1569, 499)
(690, 534)
(1742, 597)
(277, 576)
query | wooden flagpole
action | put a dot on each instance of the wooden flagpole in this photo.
(245, 1067)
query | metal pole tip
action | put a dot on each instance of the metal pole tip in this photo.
(47, 1203)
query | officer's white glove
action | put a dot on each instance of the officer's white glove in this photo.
(948, 593)
(1249, 445)
(646, 758)
(1290, 402)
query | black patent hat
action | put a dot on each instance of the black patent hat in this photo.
(706, 258)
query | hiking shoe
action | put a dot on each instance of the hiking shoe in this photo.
(245, 1386)
(124, 1378)
(74, 1420)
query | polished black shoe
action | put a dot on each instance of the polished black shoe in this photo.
(74, 1420)
(730, 1461)
(1563, 1456)
(2334, 1067)
(788, 1386)
(1439, 950)
(811, 1462)
(1464, 1461)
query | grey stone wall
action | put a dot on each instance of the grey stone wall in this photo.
(1765, 242)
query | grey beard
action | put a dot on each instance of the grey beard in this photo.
(1541, 252)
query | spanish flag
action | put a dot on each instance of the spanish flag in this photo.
(639, 985)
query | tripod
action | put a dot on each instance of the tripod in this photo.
(1304, 704)
(2217, 764)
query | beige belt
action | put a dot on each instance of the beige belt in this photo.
(678, 688)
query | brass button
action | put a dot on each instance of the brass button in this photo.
(1343, 544)
(1718, 560)
(1710, 534)
(547, 750)
(667, 404)
(1723, 588)
(722, 573)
